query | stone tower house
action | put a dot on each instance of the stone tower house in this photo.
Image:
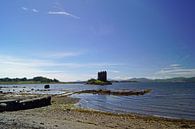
(102, 76)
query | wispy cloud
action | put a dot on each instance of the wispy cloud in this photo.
(59, 10)
(114, 71)
(60, 54)
(121, 77)
(27, 9)
(175, 65)
(63, 13)
(35, 10)
(24, 8)
(175, 70)
(38, 63)
(13, 66)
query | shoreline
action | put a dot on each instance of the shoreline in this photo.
(22, 94)
(43, 83)
(147, 116)
(63, 113)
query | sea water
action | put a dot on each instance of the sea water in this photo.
(171, 100)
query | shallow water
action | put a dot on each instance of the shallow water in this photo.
(173, 100)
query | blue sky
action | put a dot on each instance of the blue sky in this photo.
(73, 40)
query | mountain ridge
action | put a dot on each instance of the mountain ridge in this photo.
(176, 79)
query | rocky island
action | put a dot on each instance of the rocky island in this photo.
(101, 80)
(115, 92)
(98, 82)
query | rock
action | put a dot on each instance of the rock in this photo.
(117, 93)
(46, 86)
(185, 126)
(2, 106)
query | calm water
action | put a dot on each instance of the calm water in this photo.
(174, 100)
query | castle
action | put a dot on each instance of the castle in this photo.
(102, 76)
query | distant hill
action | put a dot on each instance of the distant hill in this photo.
(177, 79)
(27, 81)
(139, 80)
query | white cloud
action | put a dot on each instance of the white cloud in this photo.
(24, 8)
(60, 54)
(175, 70)
(114, 71)
(59, 10)
(175, 65)
(121, 77)
(35, 10)
(63, 13)
(12, 66)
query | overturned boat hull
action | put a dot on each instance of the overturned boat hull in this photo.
(14, 105)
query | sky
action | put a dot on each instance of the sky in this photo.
(72, 40)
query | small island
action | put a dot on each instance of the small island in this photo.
(98, 82)
(102, 79)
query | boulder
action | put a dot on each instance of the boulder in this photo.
(46, 86)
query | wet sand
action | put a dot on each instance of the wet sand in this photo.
(63, 115)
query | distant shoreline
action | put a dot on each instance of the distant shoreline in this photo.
(44, 80)
(31, 82)
(21, 83)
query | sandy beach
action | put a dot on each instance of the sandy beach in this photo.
(62, 114)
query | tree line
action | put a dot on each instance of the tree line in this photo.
(35, 79)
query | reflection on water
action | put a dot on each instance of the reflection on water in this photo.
(166, 99)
